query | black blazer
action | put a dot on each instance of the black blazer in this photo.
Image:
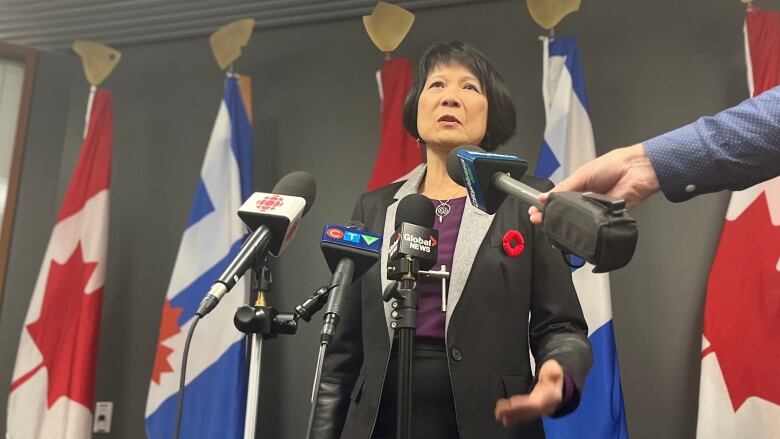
(487, 326)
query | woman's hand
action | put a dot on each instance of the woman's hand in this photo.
(543, 400)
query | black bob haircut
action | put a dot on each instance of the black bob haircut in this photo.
(501, 120)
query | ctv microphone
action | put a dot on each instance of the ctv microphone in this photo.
(349, 251)
(592, 226)
(273, 219)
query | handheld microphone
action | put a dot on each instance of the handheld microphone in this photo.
(414, 237)
(349, 251)
(273, 219)
(592, 226)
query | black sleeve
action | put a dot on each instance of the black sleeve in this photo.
(341, 367)
(557, 328)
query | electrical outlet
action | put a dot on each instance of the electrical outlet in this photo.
(102, 420)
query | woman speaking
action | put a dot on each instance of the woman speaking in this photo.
(472, 377)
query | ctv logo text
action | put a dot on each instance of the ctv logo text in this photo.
(352, 237)
(335, 233)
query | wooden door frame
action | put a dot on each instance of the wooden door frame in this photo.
(28, 57)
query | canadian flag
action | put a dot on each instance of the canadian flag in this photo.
(52, 389)
(739, 395)
(398, 153)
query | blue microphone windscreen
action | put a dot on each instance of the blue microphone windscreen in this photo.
(454, 168)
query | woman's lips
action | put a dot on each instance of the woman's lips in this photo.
(449, 120)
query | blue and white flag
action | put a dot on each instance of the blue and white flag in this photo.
(568, 144)
(215, 393)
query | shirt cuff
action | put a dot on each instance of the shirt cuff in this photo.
(682, 165)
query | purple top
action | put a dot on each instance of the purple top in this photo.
(430, 317)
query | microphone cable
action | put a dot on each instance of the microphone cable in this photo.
(183, 375)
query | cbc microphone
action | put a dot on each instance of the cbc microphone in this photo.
(273, 219)
(592, 226)
(349, 251)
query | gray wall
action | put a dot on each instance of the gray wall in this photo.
(650, 66)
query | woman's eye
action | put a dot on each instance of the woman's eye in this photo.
(471, 87)
(436, 84)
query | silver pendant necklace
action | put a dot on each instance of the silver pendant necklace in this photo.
(443, 209)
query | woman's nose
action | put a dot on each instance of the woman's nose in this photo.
(450, 101)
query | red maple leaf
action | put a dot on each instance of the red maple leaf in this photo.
(66, 332)
(742, 314)
(168, 328)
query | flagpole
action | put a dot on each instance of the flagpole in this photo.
(263, 276)
(226, 45)
(92, 91)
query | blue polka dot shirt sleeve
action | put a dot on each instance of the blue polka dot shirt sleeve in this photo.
(734, 149)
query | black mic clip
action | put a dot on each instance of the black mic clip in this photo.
(268, 322)
(403, 268)
(391, 292)
(401, 296)
(404, 273)
(314, 303)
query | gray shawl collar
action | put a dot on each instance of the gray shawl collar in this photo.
(473, 228)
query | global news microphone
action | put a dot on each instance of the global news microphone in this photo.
(472, 376)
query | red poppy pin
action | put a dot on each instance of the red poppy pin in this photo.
(514, 243)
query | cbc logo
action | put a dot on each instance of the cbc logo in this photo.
(335, 233)
(270, 202)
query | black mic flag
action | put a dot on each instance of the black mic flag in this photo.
(414, 234)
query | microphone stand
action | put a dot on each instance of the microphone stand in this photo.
(263, 282)
(404, 299)
(315, 390)
(264, 322)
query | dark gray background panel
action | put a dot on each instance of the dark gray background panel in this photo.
(649, 67)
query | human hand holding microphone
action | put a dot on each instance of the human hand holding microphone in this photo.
(624, 173)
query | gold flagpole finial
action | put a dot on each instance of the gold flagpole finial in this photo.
(97, 59)
(548, 13)
(388, 25)
(227, 41)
